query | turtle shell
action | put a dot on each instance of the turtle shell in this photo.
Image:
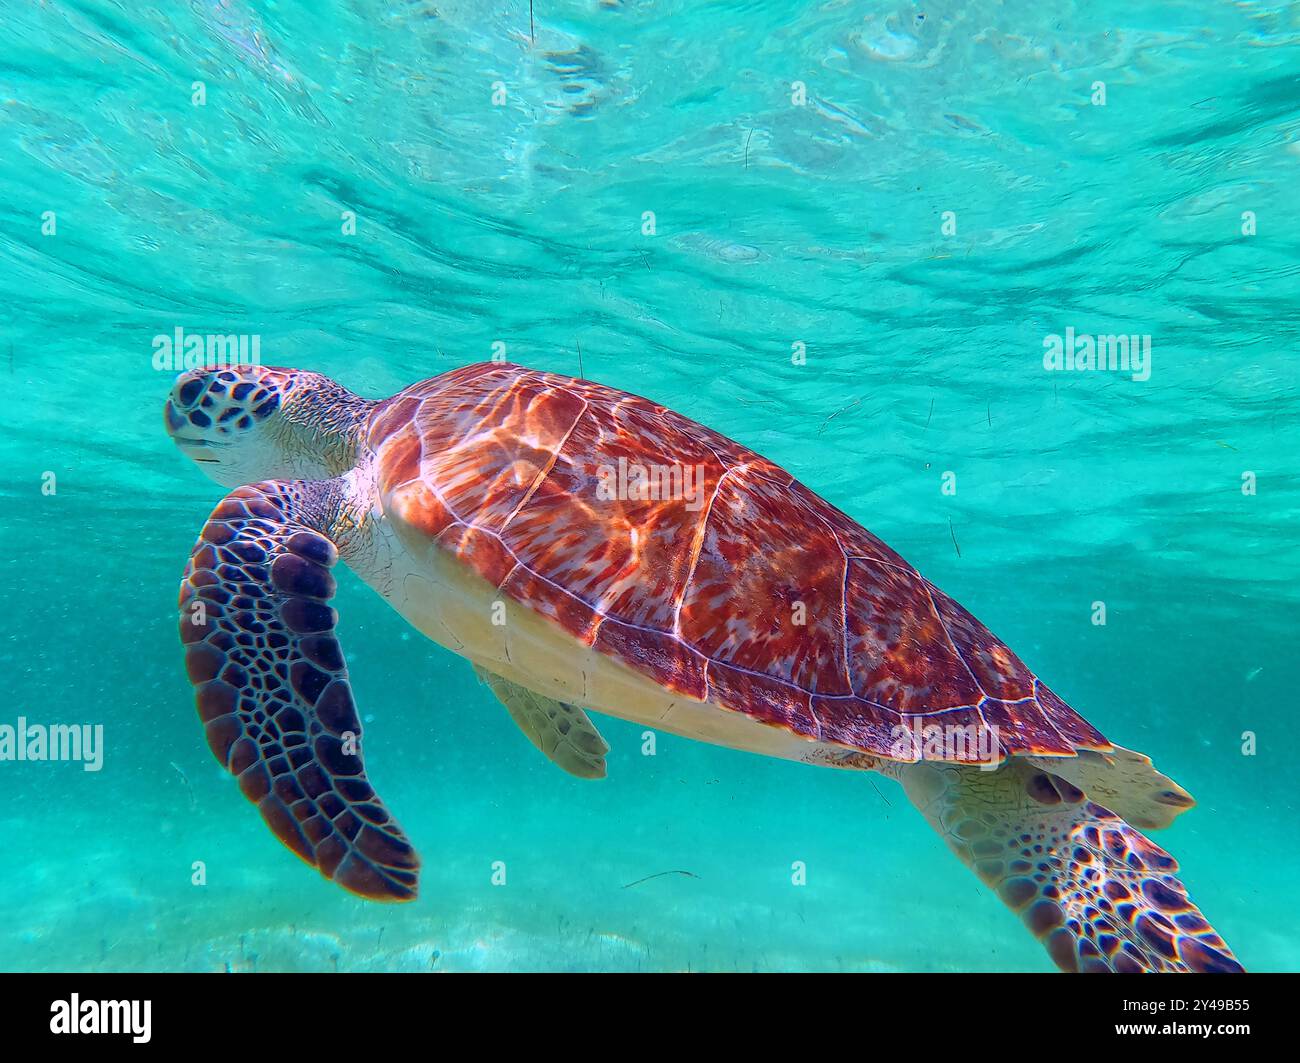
(711, 571)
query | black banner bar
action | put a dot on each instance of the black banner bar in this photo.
(367, 1011)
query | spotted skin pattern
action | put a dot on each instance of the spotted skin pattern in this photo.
(272, 686)
(1099, 895)
(227, 401)
(503, 466)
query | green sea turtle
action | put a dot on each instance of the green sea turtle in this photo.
(586, 548)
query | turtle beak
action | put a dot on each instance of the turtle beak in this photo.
(190, 445)
(172, 419)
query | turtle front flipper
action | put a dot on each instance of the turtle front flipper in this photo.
(1098, 894)
(272, 688)
(561, 731)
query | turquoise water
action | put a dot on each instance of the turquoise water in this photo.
(774, 224)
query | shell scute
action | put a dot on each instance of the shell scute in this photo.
(857, 723)
(1022, 725)
(555, 602)
(764, 697)
(1066, 721)
(482, 550)
(903, 656)
(998, 671)
(655, 653)
(766, 591)
(490, 472)
(622, 555)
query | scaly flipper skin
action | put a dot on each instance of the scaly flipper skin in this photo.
(1097, 894)
(561, 731)
(272, 687)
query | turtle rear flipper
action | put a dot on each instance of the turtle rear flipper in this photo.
(1124, 781)
(272, 688)
(561, 731)
(1097, 893)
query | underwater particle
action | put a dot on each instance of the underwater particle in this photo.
(660, 874)
(881, 796)
(188, 788)
(843, 409)
(963, 124)
(719, 249)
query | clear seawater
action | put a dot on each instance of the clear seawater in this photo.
(774, 224)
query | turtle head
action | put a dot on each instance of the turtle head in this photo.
(244, 423)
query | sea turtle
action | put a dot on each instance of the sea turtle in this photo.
(586, 548)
